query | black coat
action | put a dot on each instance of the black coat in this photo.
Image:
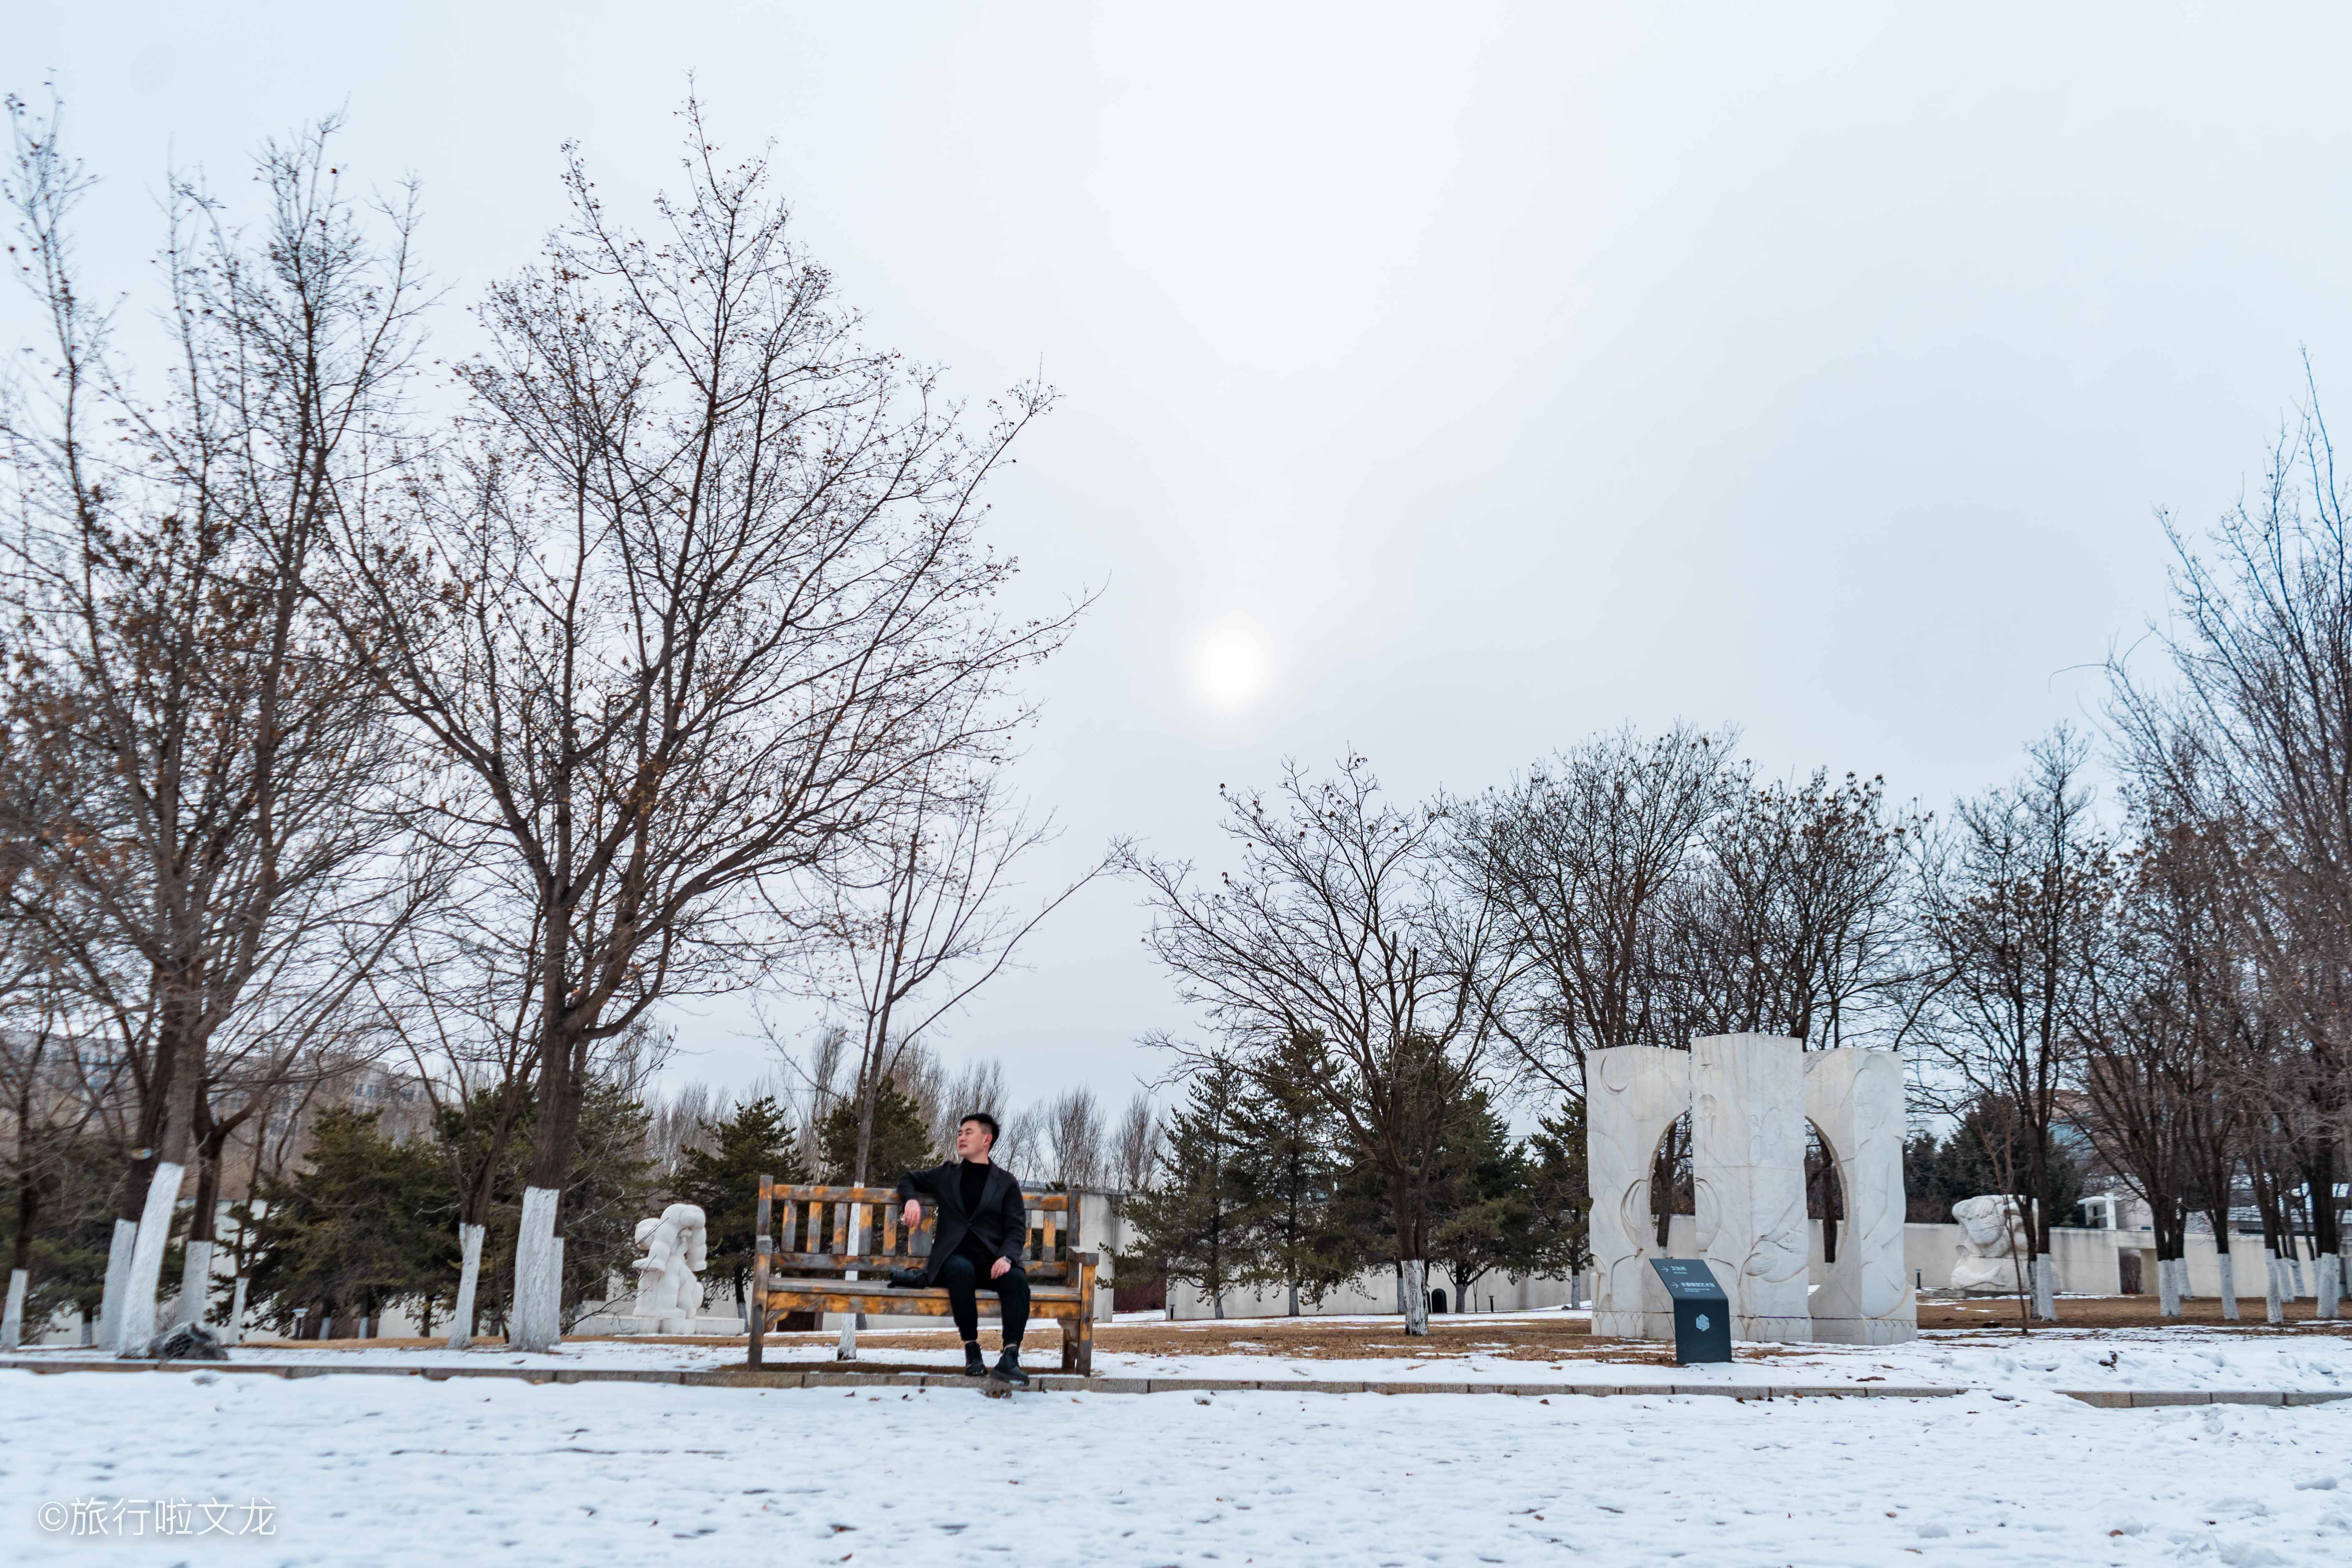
(1000, 1222)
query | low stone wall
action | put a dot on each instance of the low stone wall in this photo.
(2085, 1260)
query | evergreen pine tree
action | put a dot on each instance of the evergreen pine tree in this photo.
(1188, 1229)
(1286, 1172)
(1485, 1199)
(613, 1186)
(902, 1138)
(1561, 1190)
(358, 1226)
(724, 1182)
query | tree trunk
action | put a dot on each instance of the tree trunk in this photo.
(137, 1322)
(535, 1321)
(117, 1281)
(1416, 1296)
(28, 1209)
(2294, 1266)
(2229, 1284)
(537, 1318)
(2319, 1188)
(469, 1275)
(2045, 1287)
(2274, 1309)
(2167, 1288)
(197, 1267)
(195, 1283)
(233, 1331)
(20, 1258)
(2326, 1284)
(1293, 1297)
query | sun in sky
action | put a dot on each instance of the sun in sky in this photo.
(1230, 664)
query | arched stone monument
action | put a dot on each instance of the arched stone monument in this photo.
(1749, 1097)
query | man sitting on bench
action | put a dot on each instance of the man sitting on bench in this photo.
(983, 1229)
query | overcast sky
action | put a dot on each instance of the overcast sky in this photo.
(1444, 382)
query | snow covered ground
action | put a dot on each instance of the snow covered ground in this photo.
(357, 1471)
(2177, 1357)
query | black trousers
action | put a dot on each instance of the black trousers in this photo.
(963, 1277)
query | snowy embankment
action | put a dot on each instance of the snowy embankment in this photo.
(357, 1470)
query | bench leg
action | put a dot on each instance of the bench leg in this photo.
(1069, 1347)
(1086, 1346)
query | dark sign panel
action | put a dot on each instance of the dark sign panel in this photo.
(1702, 1311)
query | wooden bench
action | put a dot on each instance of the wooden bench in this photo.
(812, 1238)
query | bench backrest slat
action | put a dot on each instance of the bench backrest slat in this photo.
(865, 1235)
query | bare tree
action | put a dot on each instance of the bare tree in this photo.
(45, 1113)
(1135, 1145)
(1021, 1144)
(1581, 860)
(1343, 922)
(701, 582)
(2254, 726)
(1074, 1154)
(2018, 910)
(1795, 920)
(2157, 1075)
(912, 922)
(229, 763)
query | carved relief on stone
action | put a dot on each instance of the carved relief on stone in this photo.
(1636, 1093)
(1749, 1097)
(1748, 1162)
(1855, 1098)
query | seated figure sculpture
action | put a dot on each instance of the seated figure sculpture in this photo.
(1988, 1260)
(676, 1245)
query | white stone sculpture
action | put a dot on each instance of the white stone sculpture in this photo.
(677, 1248)
(1747, 1170)
(1995, 1228)
(1855, 1099)
(1749, 1097)
(1637, 1092)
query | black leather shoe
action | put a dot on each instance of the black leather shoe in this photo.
(974, 1363)
(906, 1279)
(1008, 1367)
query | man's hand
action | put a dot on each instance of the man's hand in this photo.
(1000, 1269)
(914, 1216)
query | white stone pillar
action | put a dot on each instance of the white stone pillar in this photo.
(1855, 1098)
(1634, 1094)
(1748, 1126)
